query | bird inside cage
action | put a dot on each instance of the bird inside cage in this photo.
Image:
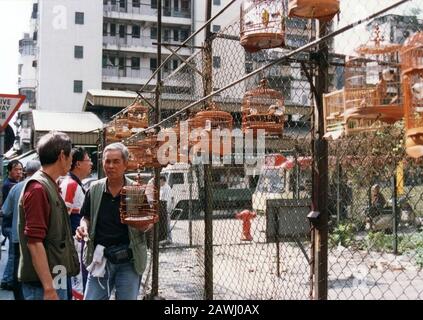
(211, 128)
(137, 208)
(373, 89)
(262, 24)
(263, 109)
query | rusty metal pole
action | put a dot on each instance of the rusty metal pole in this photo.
(321, 174)
(157, 117)
(208, 210)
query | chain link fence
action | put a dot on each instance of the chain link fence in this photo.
(262, 245)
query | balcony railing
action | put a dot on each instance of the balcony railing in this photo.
(130, 41)
(127, 73)
(146, 10)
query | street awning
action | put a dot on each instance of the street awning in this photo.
(108, 98)
(82, 127)
(23, 158)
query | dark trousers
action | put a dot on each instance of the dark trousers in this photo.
(17, 285)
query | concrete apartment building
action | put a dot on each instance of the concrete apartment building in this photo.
(74, 46)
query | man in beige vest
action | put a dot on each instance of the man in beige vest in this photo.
(48, 255)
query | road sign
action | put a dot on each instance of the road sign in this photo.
(9, 104)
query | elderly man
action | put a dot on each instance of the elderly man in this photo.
(45, 235)
(11, 209)
(117, 254)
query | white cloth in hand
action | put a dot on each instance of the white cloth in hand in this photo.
(97, 268)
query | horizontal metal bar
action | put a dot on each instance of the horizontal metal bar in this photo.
(167, 44)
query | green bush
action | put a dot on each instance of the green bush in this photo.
(343, 234)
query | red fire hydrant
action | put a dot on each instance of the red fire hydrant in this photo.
(246, 216)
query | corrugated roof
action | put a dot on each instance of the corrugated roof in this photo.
(66, 121)
(108, 98)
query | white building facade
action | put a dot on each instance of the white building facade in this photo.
(74, 46)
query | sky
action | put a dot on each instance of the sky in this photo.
(14, 21)
(15, 17)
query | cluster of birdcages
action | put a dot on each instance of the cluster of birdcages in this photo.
(383, 84)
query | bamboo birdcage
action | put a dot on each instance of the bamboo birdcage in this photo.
(263, 109)
(139, 206)
(117, 130)
(137, 116)
(176, 151)
(144, 153)
(313, 9)
(262, 24)
(132, 119)
(213, 126)
(373, 92)
(412, 62)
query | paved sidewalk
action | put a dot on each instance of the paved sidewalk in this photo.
(4, 294)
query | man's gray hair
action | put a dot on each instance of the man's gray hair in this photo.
(32, 166)
(117, 146)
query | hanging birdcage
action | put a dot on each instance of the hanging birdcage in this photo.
(213, 126)
(139, 206)
(144, 153)
(373, 92)
(263, 109)
(136, 115)
(313, 9)
(117, 130)
(262, 24)
(412, 62)
(175, 151)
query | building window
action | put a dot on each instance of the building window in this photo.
(104, 62)
(79, 18)
(77, 86)
(136, 31)
(185, 4)
(20, 66)
(153, 64)
(136, 3)
(216, 28)
(166, 36)
(153, 4)
(216, 62)
(175, 35)
(135, 63)
(153, 33)
(113, 29)
(216, 2)
(104, 29)
(79, 52)
(35, 36)
(122, 31)
(175, 64)
(184, 35)
(121, 63)
(176, 5)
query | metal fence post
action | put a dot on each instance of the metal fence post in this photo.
(321, 178)
(394, 213)
(155, 254)
(208, 210)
